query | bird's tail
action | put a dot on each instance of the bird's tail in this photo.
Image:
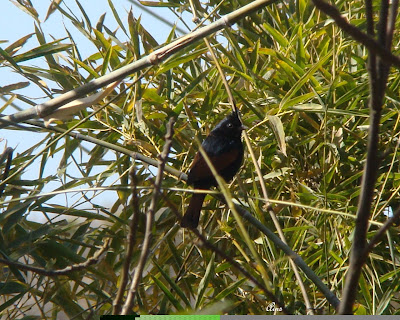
(191, 218)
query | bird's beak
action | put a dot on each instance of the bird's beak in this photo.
(243, 127)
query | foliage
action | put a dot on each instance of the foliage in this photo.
(302, 88)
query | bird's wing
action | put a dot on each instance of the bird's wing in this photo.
(200, 170)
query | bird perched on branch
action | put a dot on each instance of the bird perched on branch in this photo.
(225, 149)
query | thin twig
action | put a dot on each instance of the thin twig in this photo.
(383, 35)
(53, 273)
(369, 16)
(378, 235)
(225, 82)
(149, 221)
(131, 241)
(195, 18)
(392, 22)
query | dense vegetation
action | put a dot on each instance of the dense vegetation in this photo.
(302, 86)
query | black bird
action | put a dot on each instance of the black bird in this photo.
(225, 149)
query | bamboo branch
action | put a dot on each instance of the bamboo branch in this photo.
(159, 55)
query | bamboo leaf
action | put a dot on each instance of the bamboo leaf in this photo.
(168, 294)
(205, 281)
(277, 127)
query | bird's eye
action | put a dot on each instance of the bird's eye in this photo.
(229, 125)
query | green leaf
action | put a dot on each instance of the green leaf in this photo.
(173, 285)
(205, 281)
(10, 302)
(168, 294)
(276, 35)
(116, 16)
(43, 50)
(13, 215)
(158, 4)
(17, 45)
(306, 77)
(229, 290)
(277, 127)
(11, 287)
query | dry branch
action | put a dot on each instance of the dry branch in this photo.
(370, 43)
(380, 59)
(149, 220)
(53, 273)
(131, 241)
